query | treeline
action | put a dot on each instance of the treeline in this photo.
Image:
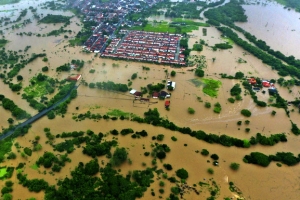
(13, 108)
(109, 85)
(293, 4)
(153, 117)
(55, 19)
(108, 185)
(35, 56)
(227, 14)
(261, 159)
(64, 90)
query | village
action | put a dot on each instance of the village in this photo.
(147, 47)
(109, 16)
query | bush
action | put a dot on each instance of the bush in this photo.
(205, 152)
(173, 73)
(246, 112)
(231, 100)
(161, 154)
(168, 167)
(119, 156)
(207, 104)
(160, 137)
(133, 76)
(173, 138)
(51, 114)
(234, 166)
(45, 69)
(27, 151)
(210, 171)
(215, 156)
(199, 72)
(191, 110)
(273, 113)
(182, 173)
(9, 183)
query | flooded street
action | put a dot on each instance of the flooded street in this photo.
(255, 182)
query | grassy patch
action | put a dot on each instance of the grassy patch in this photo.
(39, 88)
(228, 40)
(34, 166)
(211, 87)
(164, 27)
(118, 113)
(3, 172)
(190, 22)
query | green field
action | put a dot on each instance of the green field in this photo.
(3, 2)
(176, 26)
(3, 42)
(40, 88)
(211, 87)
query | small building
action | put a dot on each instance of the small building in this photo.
(138, 94)
(272, 91)
(164, 94)
(155, 95)
(74, 77)
(132, 91)
(252, 81)
(266, 83)
(171, 84)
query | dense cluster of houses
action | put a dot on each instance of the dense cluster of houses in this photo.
(108, 16)
(147, 46)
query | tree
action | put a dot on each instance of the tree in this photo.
(191, 110)
(10, 121)
(182, 173)
(161, 154)
(204, 152)
(119, 156)
(246, 112)
(173, 73)
(92, 167)
(234, 166)
(239, 75)
(19, 78)
(133, 76)
(199, 72)
(51, 114)
(27, 151)
(45, 69)
(210, 171)
(215, 156)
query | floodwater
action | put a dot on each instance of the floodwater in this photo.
(252, 180)
(270, 22)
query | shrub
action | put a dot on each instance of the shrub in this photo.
(174, 138)
(45, 69)
(161, 184)
(160, 137)
(207, 104)
(161, 190)
(27, 151)
(173, 73)
(182, 173)
(133, 76)
(191, 110)
(215, 156)
(51, 114)
(247, 122)
(205, 152)
(210, 171)
(161, 154)
(9, 183)
(247, 130)
(168, 167)
(234, 166)
(231, 100)
(246, 112)
(217, 108)
(239, 123)
(273, 112)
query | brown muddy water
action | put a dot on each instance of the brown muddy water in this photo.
(254, 182)
(270, 22)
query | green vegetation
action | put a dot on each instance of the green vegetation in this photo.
(210, 171)
(205, 152)
(14, 109)
(258, 158)
(234, 166)
(211, 87)
(176, 26)
(182, 173)
(246, 112)
(217, 107)
(40, 85)
(109, 85)
(3, 41)
(55, 19)
(119, 157)
(222, 46)
(191, 110)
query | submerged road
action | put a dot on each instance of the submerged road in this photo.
(38, 116)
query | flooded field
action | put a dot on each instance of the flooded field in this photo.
(254, 182)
